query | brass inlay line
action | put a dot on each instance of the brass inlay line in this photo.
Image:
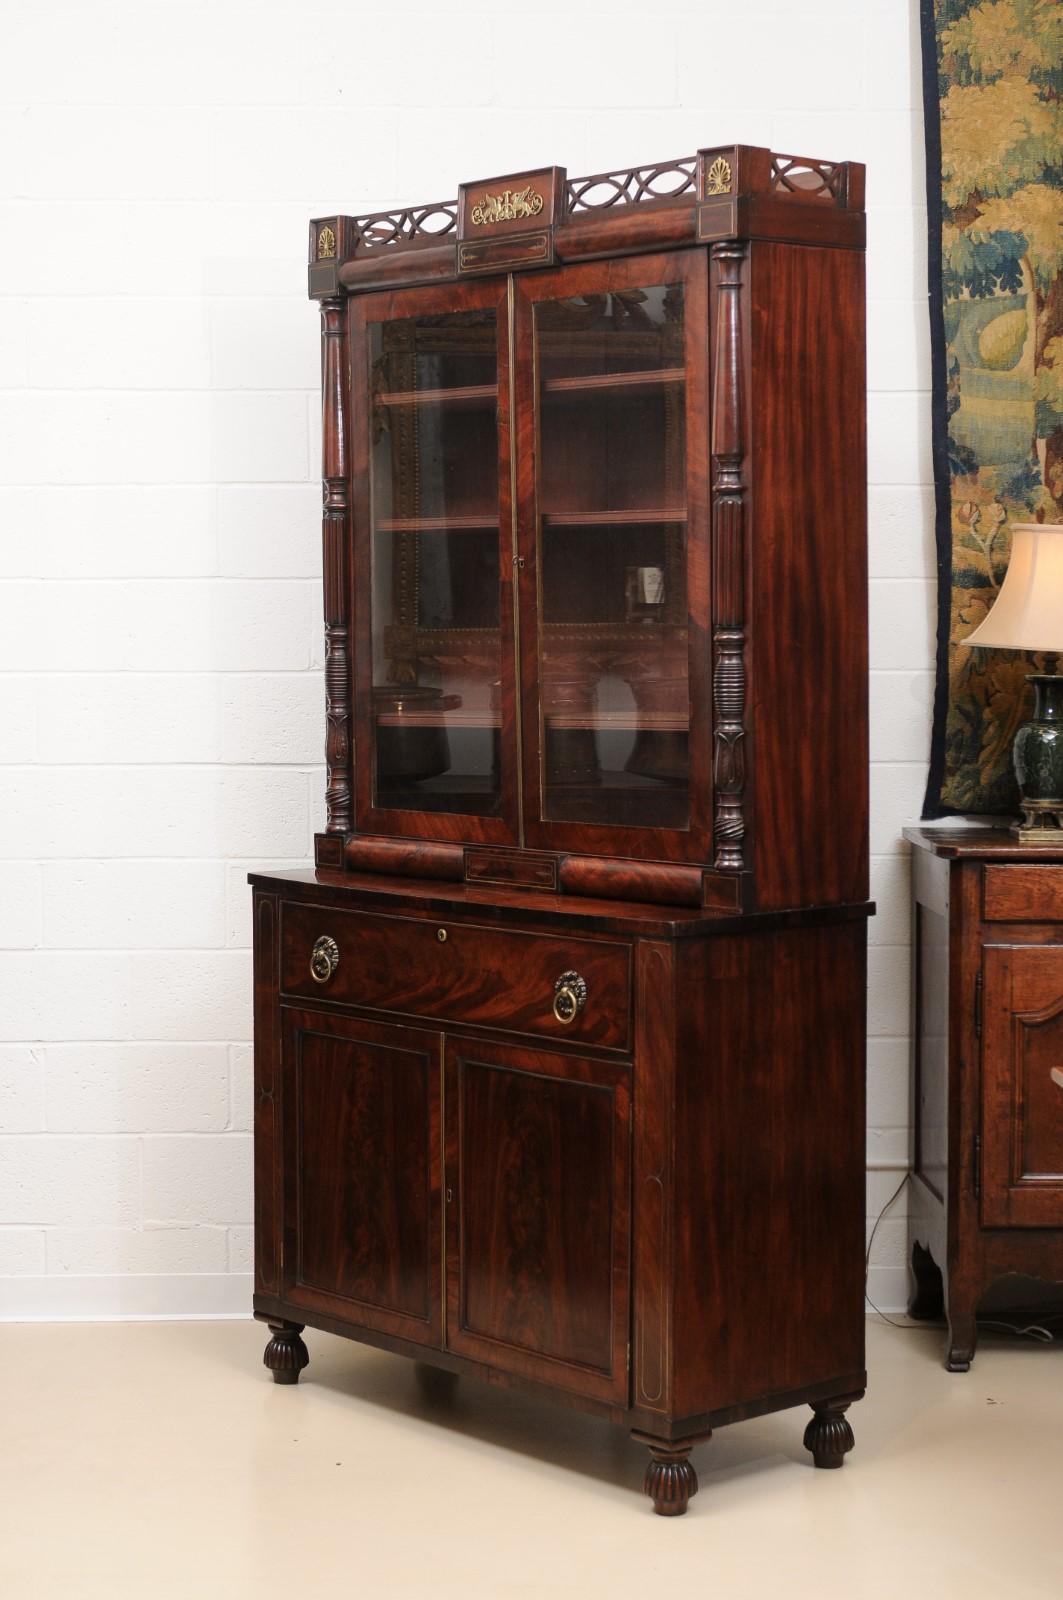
(443, 1282)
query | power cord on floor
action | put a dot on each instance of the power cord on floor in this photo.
(1048, 1330)
(908, 1327)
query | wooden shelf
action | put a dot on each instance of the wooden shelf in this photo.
(620, 721)
(435, 524)
(467, 394)
(597, 519)
(649, 380)
(438, 719)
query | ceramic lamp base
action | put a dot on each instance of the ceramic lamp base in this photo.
(1038, 755)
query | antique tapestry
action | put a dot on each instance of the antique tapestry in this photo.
(993, 82)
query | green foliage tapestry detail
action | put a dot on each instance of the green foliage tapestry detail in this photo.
(993, 78)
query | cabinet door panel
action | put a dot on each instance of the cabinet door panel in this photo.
(1022, 1087)
(362, 1131)
(433, 561)
(612, 366)
(538, 1240)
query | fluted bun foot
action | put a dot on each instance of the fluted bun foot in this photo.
(670, 1480)
(828, 1435)
(286, 1355)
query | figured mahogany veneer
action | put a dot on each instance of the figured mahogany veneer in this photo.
(559, 1054)
(501, 979)
(538, 1149)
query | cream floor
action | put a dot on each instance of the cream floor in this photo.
(158, 1460)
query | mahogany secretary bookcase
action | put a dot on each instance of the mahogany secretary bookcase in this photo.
(559, 1051)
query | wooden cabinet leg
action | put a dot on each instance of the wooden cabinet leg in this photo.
(435, 1383)
(928, 1301)
(670, 1480)
(963, 1339)
(286, 1355)
(828, 1435)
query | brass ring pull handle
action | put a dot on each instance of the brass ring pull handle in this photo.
(324, 958)
(570, 996)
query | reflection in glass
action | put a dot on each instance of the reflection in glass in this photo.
(435, 576)
(612, 558)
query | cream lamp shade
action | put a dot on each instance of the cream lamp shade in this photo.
(1028, 612)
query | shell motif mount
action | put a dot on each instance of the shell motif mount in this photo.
(326, 245)
(509, 206)
(718, 177)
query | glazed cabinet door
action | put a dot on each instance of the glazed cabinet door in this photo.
(612, 376)
(362, 1159)
(538, 1214)
(1022, 1087)
(435, 743)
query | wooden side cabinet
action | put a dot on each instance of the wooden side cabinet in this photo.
(987, 1203)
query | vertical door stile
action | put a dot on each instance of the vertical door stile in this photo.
(512, 433)
(451, 1196)
(699, 553)
(526, 609)
(444, 1188)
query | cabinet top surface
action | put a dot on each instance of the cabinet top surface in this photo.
(970, 841)
(389, 894)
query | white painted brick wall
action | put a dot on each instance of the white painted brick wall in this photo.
(161, 713)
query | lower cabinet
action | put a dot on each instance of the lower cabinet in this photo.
(599, 1165)
(535, 1187)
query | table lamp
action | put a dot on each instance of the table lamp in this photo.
(1028, 615)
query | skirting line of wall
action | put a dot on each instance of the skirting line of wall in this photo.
(220, 1294)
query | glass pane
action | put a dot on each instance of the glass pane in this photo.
(612, 558)
(435, 608)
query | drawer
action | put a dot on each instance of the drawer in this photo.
(1023, 894)
(457, 972)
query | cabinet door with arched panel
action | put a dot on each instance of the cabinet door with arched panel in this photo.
(1022, 1086)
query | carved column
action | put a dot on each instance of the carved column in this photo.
(728, 560)
(335, 561)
